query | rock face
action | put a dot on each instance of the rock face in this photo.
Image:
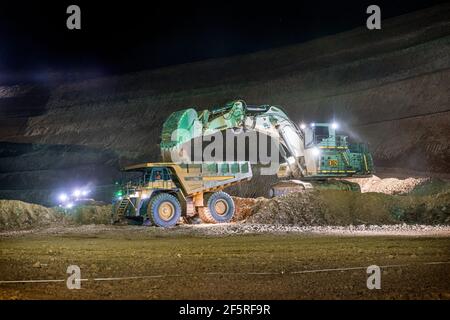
(390, 86)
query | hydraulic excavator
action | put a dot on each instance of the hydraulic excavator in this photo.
(313, 156)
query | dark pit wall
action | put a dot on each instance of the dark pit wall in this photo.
(389, 88)
(38, 173)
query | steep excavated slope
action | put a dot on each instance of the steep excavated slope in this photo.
(391, 87)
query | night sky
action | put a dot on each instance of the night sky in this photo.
(119, 37)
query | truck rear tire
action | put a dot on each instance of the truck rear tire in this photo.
(220, 208)
(164, 210)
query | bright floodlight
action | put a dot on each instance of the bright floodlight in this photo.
(85, 192)
(63, 197)
(69, 205)
(303, 126)
(76, 193)
(313, 124)
(335, 125)
(315, 151)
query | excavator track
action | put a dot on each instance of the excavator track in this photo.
(288, 186)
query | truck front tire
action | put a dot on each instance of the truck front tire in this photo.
(164, 210)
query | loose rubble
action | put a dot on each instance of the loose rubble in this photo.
(16, 214)
(238, 228)
(245, 207)
(19, 215)
(334, 207)
(254, 228)
(388, 185)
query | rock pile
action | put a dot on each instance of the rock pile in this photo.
(245, 207)
(338, 208)
(16, 214)
(389, 185)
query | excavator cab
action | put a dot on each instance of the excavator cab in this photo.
(324, 134)
(332, 153)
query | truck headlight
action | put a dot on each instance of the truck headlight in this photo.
(76, 193)
(63, 197)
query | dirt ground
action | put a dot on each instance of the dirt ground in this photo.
(180, 263)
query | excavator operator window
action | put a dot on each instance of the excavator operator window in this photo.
(321, 133)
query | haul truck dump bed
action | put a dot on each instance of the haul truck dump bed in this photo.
(167, 191)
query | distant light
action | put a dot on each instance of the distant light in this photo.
(76, 193)
(316, 151)
(63, 197)
(119, 198)
(313, 124)
(84, 192)
(303, 126)
(69, 205)
(335, 125)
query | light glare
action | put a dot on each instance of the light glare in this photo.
(76, 193)
(315, 151)
(69, 205)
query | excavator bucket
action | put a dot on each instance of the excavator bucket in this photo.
(185, 125)
(181, 126)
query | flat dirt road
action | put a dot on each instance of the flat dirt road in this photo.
(145, 263)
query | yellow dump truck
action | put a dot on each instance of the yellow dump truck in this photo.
(164, 192)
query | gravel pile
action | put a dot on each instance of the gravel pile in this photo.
(245, 207)
(292, 209)
(92, 214)
(19, 215)
(389, 185)
(16, 214)
(341, 208)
